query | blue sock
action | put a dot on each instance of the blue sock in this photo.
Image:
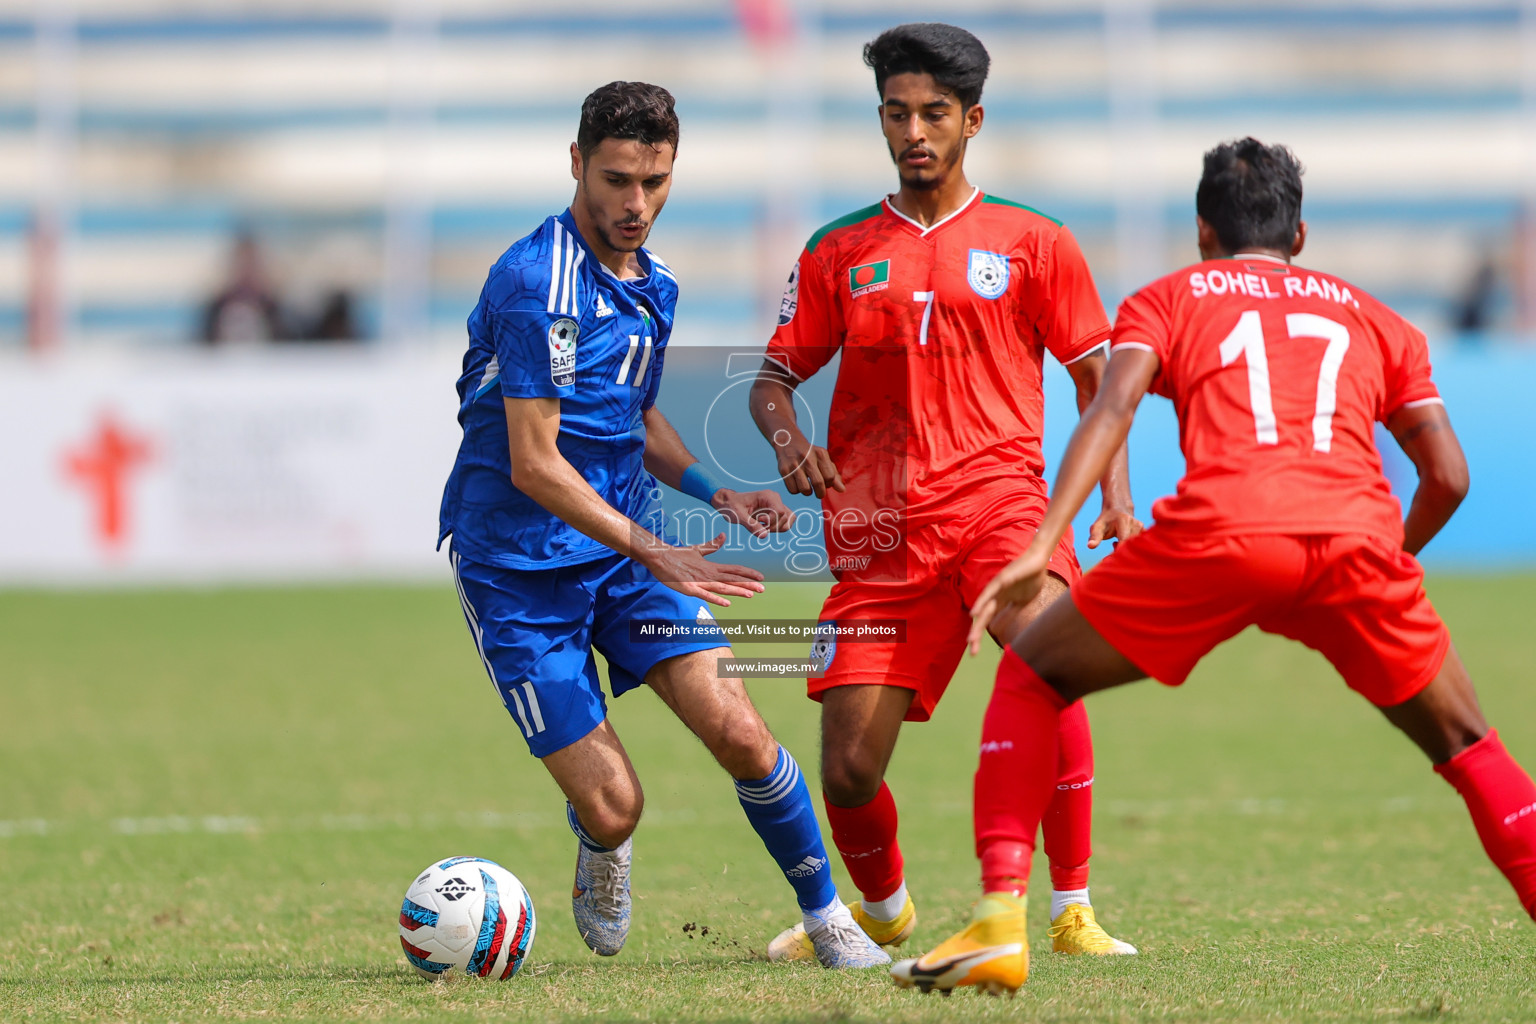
(581, 833)
(779, 808)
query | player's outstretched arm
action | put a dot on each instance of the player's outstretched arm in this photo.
(668, 458)
(1117, 520)
(806, 468)
(1425, 435)
(1099, 435)
(540, 471)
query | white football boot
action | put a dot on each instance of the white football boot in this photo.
(600, 898)
(839, 941)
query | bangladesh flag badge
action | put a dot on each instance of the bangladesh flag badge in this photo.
(869, 277)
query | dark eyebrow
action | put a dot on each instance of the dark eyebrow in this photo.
(621, 174)
(943, 101)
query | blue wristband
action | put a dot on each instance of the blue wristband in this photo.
(699, 482)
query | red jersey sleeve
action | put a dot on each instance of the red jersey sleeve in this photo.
(1145, 321)
(1405, 354)
(811, 326)
(1075, 324)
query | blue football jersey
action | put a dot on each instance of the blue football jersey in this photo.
(553, 322)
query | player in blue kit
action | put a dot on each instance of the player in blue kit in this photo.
(559, 544)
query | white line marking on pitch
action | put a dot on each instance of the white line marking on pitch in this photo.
(219, 824)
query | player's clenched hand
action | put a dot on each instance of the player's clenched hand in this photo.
(762, 512)
(688, 570)
(807, 468)
(1018, 583)
(1115, 524)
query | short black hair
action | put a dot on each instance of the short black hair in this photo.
(955, 58)
(1250, 194)
(627, 110)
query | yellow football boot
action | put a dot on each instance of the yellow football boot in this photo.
(1077, 931)
(794, 944)
(887, 933)
(992, 952)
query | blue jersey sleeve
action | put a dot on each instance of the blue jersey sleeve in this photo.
(535, 351)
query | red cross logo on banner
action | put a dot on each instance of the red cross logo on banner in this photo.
(101, 465)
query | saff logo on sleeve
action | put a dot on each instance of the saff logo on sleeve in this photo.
(562, 352)
(869, 277)
(791, 300)
(988, 273)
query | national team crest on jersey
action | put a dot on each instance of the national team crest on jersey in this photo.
(562, 352)
(988, 273)
(791, 300)
(869, 277)
(824, 647)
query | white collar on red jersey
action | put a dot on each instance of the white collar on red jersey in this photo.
(936, 224)
(1259, 256)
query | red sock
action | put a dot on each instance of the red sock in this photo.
(1502, 800)
(1016, 776)
(1068, 824)
(866, 837)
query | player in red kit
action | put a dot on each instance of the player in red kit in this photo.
(942, 301)
(1283, 520)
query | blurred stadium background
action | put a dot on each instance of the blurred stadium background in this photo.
(278, 173)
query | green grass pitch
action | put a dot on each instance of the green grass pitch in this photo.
(212, 801)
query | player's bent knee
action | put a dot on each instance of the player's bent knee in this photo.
(1064, 649)
(849, 780)
(612, 818)
(1443, 718)
(744, 747)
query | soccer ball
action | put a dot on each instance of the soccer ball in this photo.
(469, 914)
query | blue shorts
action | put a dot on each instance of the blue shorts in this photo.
(536, 630)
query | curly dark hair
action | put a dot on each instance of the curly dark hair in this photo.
(627, 110)
(955, 58)
(1250, 194)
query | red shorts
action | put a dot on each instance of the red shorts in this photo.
(948, 565)
(1166, 598)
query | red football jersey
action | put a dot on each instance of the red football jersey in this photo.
(938, 396)
(1278, 375)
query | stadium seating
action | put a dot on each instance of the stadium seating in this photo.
(309, 121)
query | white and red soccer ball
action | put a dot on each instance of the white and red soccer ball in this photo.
(466, 914)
